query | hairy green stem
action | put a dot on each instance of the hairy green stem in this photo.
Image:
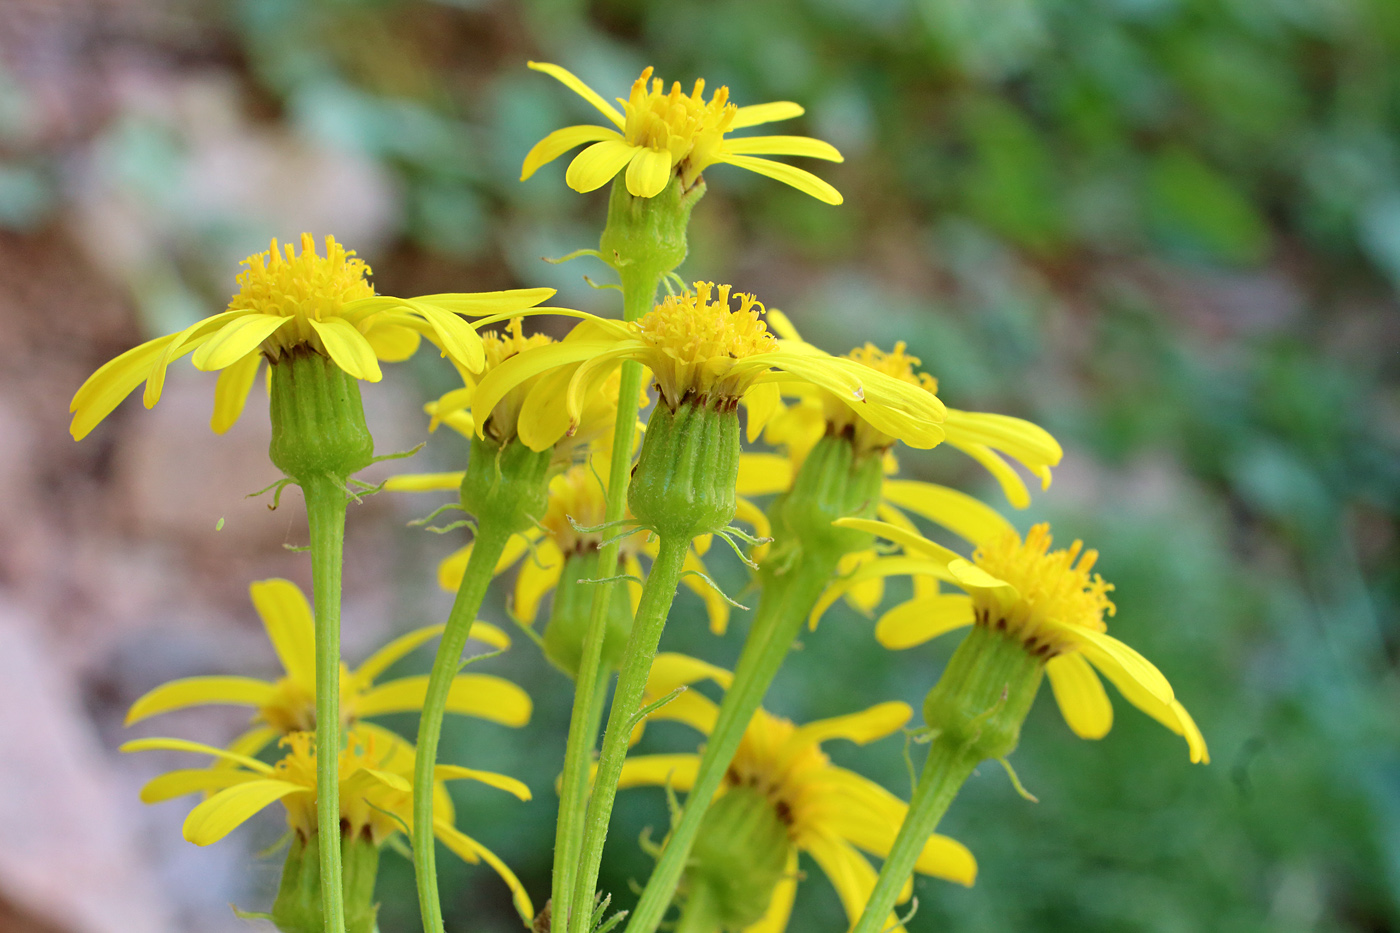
(638, 292)
(659, 592)
(948, 765)
(486, 551)
(325, 515)
(786, 601)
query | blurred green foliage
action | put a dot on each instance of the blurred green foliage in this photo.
(1169, 230)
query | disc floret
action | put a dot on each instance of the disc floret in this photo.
(697, 337)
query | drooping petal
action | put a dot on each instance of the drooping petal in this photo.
(517, 369)
(754, 114)
(231, 391)
(539, 573)
(911, 542)
(454, 565)
(660, 770)
(405, 644)
(364, 781)
(762, 402)
(105, 389)
(186, 341)
(1118, 661)
(865, 726)
(800, 179)
(481, 304)
(455, 336)
(648, 172)
(174, 784)
(567, 78)
(671, 669)
(199, 748)
(559, 142)
(229, 809)
(1080, 696)
(1170, 714)
(775, 918)
(252, 741)
(348, 348)
(235, 340)
(200, 691)
(490, 778)
(919, 620)
(716, 606)
(849, 872)
(479, 695)
(1023, 440)
(468, 849)
(425, 482)
(884, 567)
(597, 165)
(957, 511)
(1012, 486)
(286, 617)
(783, 146)
(691, 707)
(761, 474)
(870, 592)
(393, 343)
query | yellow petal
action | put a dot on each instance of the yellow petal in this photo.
(716, 606)
(884, 567)
(348, 348)
(1012, 486)
(479, 304)
(462, 844)
(286, 617)
(1080, 696)
(648, 172)
(565, 77)
(489, 778)
(1170, 714)
(174, 784)
(775, 918)
(199, 748)
(425, 482)
(783, 146)
(850, 874)
(235, 340)
(761, 474)
(906, 539)
(803, 181)
(199, 691)
(231, 391)
(523, 366)
(404, 645)
(1027, 442)
(918, 620)
(252, 741)
(660, 770)
(762, 401)
(868, 725)
(969, 576)
(559, 142)
(454, 335)
(393, 343)
(221, 814)
(1120, 662)
(105, 389)
(454, 565)
(479, 695)
(671, 669)
(954, 510)
(595, 166)
(754, 114)
(186, 341)
(539, 574)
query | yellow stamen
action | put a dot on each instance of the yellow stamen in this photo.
(699, 336)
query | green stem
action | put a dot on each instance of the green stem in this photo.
(325, 516)
(949, 764)
(785, 604)
(638, 293)
(486, 551)
(655, 603)
(698, 914)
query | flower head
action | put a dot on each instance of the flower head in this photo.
(828, 812)
(700, 347)
(288, 301)
(288, 704)
(376, 798)
(1048, 601)
(662, 133)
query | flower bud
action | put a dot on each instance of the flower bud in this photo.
(686, 474)
(318, 421)
(298, 905)
(507, 486)
(573, 605)
(985, 693)
(835, 481)
(741, 853)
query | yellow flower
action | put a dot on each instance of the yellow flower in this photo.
(660, 134)
(288, 704)
(286, 302)
(698, 347)
(830, 812)
(376, 798)
(1045, 599)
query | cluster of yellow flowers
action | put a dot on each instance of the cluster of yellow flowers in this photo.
(604, 528)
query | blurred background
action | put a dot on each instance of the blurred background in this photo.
(1167, 230)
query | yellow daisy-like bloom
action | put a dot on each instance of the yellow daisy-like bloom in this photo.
(289, 301)
(288, 704)
(1045, 599)
(699, 347)
(829, 812)
(376, 798)
(663, 133)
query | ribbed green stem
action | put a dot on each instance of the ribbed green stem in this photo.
(785, 603)
(657, 595)
(638, 293)
(698, 915)
(325, 515)
(949, 764)
(486, 551)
